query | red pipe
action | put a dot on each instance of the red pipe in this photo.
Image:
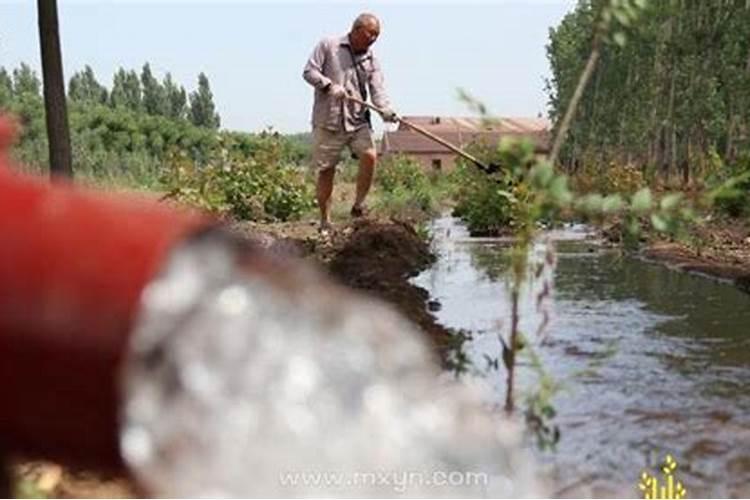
(72, 266)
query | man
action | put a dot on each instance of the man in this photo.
(341, 67)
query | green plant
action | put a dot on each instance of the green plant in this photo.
(486, 203)
(256, 187)
(403, 186)
(731, 191)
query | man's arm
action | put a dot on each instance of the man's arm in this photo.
(313, 72)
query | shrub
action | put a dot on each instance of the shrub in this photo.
(257, 187)
(402, 180)
(486, 202)
(735, 201)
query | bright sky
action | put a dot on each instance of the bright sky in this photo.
(253, 52)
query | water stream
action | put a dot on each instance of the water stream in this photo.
(652, 360)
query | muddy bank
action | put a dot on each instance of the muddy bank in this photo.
(720, 250)
(379, 258)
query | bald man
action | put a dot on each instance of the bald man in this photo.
(341, 66)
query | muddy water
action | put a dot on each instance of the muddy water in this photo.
(652, 360)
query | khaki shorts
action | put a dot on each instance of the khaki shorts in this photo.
(327, 145)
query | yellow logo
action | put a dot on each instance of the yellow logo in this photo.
(669, 489)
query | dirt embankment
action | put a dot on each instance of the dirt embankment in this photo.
(721, 249)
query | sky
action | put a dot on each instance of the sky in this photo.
(253, 52)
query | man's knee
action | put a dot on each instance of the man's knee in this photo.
(326, 175)
(369, 156)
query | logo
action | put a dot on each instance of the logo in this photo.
(669, 488)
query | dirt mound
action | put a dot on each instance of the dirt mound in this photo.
(379, 258)
(376, 249)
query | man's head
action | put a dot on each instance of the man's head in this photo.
(365, 31)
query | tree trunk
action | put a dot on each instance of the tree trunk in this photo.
(56, 114)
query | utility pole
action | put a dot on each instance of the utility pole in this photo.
(55, 106)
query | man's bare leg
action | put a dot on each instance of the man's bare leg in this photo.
(324, 190)
(367, 162)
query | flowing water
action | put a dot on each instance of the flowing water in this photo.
(652, 360)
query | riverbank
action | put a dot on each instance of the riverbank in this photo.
(719, 249)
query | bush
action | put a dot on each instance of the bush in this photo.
(402, 179)
(735, 202)
(487, 202)
(482, 201)
(259, 187)
(614, 178)
(623, 179)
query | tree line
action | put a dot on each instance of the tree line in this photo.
(672, 95)
(139, 93)
(135, 128)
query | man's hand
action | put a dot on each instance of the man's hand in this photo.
(337, 90)
(389, 116)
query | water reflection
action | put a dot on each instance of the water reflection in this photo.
(672, 349)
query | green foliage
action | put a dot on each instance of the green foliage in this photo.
(677, 92)
(731, 191)
(26, 81)
(122, 131)
(6, 88)
(612, 178)
(154, 97)
(539, 409)
(126, 91)
(489, 204)
(403, 184)
(259, 186)
(484, 203)
(115, 141)
(175, 99)
(84, 88)
(202, 109)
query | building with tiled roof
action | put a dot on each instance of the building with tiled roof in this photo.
(462, 132)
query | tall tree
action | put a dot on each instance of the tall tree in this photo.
(176, 98)
(84, 87)
(133, 91)
(673, 96)
(154, 98)
(25, 81)
(126, 90)
(202, 110)
(58, 131)
(118, 96)
(6, 88)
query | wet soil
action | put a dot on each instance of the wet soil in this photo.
(721, 250)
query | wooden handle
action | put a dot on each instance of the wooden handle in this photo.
(425, 133)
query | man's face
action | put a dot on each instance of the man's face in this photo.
(365, 35)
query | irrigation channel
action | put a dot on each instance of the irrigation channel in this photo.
(652, 360)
